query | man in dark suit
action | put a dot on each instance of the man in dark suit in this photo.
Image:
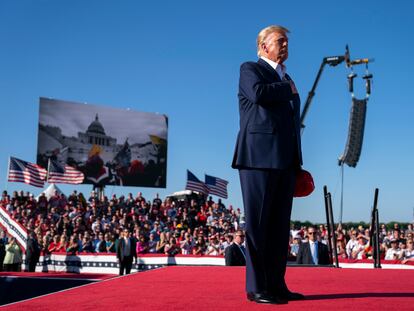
(125, 252)
(268, 155)
(313, 252)
(32, 252)
(235, 254)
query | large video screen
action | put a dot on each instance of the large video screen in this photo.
(110, 146)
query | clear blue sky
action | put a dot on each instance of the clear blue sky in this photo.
(182, 58)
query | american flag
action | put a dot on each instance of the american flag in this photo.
(193, 183)
(26, 172)
(59, 174)
(217, 186)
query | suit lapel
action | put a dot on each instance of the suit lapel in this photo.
(241, 251)
(308, 250)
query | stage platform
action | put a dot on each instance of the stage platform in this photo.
(17, 286)
(222, 288)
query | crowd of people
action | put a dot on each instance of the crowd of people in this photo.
(77, 224)
(355, 242)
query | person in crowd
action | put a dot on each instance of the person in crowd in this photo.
(152, 244)
(109, 243)
(54, 244)
(235, 254)
(156, 230)
(200, 246)
(2, 247)
(87, 246)
(47, 239)
(13, 259)
(32, 252)
(100, 246)
(172, 249)
(73, 246)
(294, 246)
(323, 232)
(409, 236)
(97, 225)
(393, 252)
(187, 244)
(408, 253)
(213, 248)
(126, 252)
(359, 251)
(341, 248)
(409, 230)
(396, 234)
(162, 243)
(63, 244)
(157, 201)
(142, 245)
(403, 247)
(313, 252)
(228, 240)
(352, 244)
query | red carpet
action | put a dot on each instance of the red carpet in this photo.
(222, 288)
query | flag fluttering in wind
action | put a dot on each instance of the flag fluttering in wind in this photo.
(194, 184)
(26, 172)
(216, 186)
(59, 174)
(156, 140)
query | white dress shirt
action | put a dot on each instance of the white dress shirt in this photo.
(280, 68)
(127, 247)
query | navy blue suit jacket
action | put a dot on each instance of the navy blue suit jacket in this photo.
(269, 136)
(234, 256)
(304, 255)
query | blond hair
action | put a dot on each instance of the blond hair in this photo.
(265, 32)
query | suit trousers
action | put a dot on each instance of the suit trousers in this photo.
(267, 198)
(125, 264)
(31, 264)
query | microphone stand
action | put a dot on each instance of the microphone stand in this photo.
(332, 61)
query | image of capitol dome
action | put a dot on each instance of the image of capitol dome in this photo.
(96, 127)
(95, 135)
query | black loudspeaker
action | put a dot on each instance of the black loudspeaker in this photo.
(355, 133)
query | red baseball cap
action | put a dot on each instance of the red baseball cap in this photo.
(304, 184)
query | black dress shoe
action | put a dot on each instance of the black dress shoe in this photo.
(292, 296)
(264, 298)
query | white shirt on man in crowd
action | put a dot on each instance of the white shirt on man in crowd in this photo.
(392, 254)
(351, 246)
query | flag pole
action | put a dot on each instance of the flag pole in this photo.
(7, 177)
(48, 168)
